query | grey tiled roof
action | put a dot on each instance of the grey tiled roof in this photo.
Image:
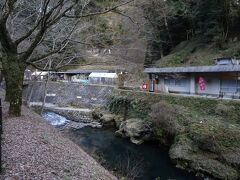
(82, 71)
(197, 69)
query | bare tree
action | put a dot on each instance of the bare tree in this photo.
(129, 167)
(33, 31)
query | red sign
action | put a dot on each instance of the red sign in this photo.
(144, 86)
(201, 83)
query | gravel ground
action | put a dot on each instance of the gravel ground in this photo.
(33, 149)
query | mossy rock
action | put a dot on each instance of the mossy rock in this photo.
(215, 136)
(231, 157)
(214, 168)
(182, 148)
(187, 155)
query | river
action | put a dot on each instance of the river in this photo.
(148, 161)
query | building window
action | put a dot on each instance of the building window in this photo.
(176, 82)
(170, 82)
(230, 86)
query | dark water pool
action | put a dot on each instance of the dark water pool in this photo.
(145, 162)
(141, 162)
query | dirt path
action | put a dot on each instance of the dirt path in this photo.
(32, 149)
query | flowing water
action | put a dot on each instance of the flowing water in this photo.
(144, 162)
(55, 119)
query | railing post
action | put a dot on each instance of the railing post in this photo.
(1, 131)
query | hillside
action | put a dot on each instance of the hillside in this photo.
(156, 33)
(166, 33)
(195, 53)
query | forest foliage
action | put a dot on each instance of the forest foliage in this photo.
(166, 24)
(170, 22)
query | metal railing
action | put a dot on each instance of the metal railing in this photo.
(1, 131)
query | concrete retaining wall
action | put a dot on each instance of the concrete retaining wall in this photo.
(67, 94)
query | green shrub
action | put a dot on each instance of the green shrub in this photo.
(222, 109)
(195, 107)
(129, 107)
(165, 120)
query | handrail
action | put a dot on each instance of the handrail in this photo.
(1, 131)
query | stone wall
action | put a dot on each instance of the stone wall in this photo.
(74, 115)
(68, 94)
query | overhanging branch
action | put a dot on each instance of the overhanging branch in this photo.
(99, 13)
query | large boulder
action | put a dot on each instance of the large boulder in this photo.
(232, 157)
(97, 114)
(107, 119)
(137, 129)
(104, 117)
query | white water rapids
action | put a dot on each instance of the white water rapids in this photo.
(57, 120)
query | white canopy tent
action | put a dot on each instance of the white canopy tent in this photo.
(39, 75)
(103, 78)
(103, 75)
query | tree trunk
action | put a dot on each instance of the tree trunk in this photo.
(14, 72)
(4, 62)
(6, 94)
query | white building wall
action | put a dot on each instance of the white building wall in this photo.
(176, 89)
(192, 84)
(178, 85)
